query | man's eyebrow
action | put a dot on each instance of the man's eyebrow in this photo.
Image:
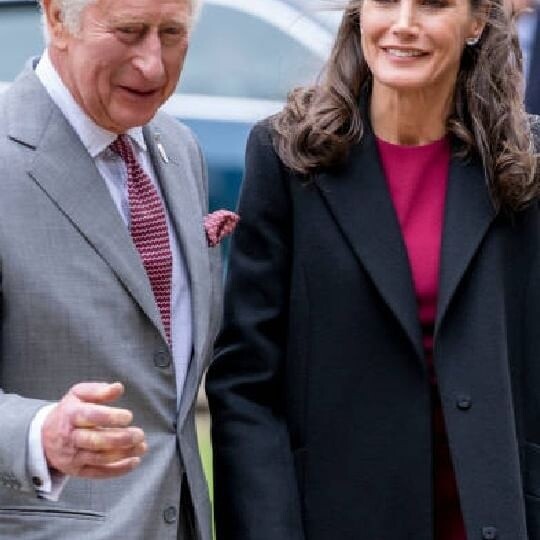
(117, 20)
(180, 20)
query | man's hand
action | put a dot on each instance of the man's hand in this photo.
(82, 437)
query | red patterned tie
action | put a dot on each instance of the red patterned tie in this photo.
(148, 228)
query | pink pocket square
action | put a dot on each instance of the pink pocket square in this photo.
(218, 225)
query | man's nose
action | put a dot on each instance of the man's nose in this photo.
(149, 61)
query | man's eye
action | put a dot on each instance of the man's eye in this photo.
(172, 30)
(172, 34)
(130, 29)
(130, 33)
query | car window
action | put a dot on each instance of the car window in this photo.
(235, 54)
(20, 37)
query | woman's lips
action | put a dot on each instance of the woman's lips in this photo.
(401, 52)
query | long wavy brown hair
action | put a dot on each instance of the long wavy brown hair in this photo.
(319, 124)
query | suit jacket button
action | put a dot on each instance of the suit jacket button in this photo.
(162, 359)
(463, 403)
(169, 515)
(489, 533)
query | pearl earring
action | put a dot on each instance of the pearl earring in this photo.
(471, 42)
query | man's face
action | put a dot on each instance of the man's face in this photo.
(126, 59)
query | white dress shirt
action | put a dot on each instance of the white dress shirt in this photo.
(96, 140)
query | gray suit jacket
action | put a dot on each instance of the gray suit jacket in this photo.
(77, 305)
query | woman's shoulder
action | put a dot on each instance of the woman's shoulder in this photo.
(286, 121)
(262, 132)
(262, 156)
(263, 145)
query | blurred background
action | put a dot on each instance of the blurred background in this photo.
(244, 57)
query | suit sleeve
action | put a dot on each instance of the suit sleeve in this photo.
(256, 494)
(16, 416)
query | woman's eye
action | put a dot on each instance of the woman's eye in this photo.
(435, 3)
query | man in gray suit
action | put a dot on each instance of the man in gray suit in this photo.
(110, 293)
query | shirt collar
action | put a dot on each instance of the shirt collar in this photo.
(94, 138)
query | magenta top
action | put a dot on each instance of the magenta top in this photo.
(417, 177)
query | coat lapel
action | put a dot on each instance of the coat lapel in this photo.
(468, 214)
(358, 197)
(68, 176)
(179, 184)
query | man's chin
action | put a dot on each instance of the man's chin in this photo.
(124, 122)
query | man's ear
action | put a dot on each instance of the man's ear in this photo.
(54, 20)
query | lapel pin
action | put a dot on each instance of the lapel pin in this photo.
(160, 148)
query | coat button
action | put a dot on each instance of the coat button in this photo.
(169, 515)
(37, 481)
(463, 403)
(489, 533)
(162, 359)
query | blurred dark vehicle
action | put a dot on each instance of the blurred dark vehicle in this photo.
(245, 55)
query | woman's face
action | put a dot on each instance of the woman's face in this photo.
(416, 44)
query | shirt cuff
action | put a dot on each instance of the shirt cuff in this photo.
(48, 484)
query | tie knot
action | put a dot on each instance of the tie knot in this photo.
(122, 147)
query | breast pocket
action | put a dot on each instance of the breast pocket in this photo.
(38, 523)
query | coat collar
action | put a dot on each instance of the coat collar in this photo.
(357, 195)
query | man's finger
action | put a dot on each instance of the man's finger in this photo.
(91, 416)
(110, 471)
(97, 392)
(87, 458)
(107, 439)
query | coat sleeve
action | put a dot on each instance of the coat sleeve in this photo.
(256, 494)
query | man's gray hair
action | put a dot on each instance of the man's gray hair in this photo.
(72, 11)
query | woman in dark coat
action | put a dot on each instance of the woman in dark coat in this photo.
(378, 373)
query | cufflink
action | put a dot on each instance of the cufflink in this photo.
(37, 481)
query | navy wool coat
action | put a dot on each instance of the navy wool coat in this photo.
(319, 390)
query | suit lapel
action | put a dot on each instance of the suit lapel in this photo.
(178, 182)
(358, 197)
(68, 176)
(468, 214)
